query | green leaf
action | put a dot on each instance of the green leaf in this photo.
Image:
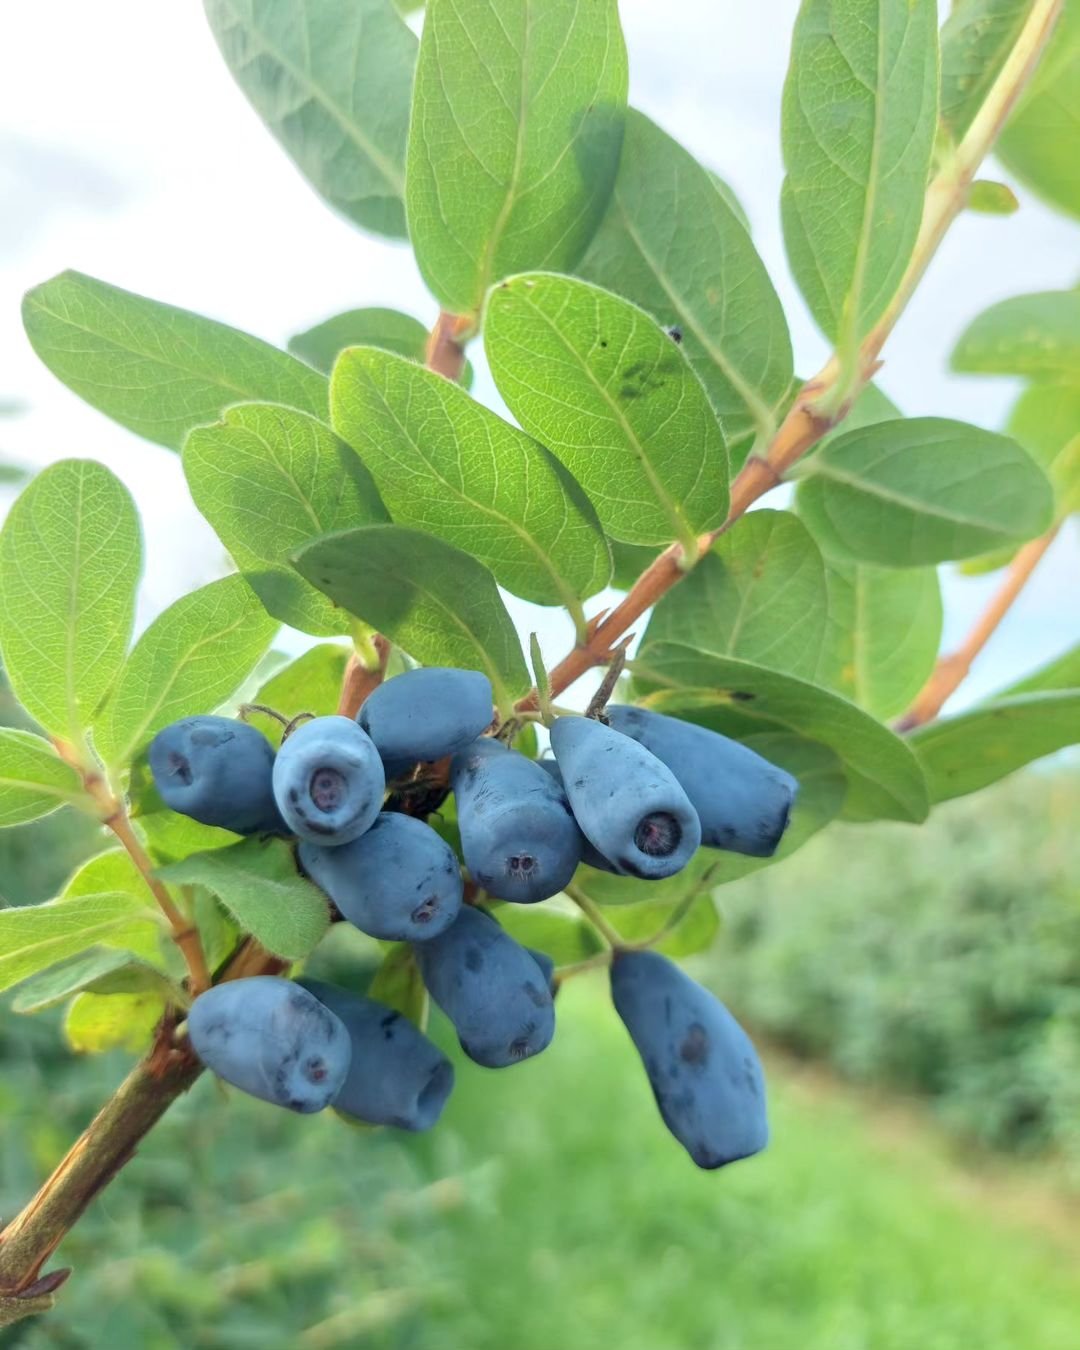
(607, 889)
(517, 122)
(99, 1022)
(672, 242)
(1046, 422)
(630, 561)
(34, 937)
(269, 480)
(386, 328)
(1037, 336)
(759, 594)
(604, 387)
(1038, 144)
(153, 368)
(447, 465)
(922, 490)
(1061, 673)
(884, 777)
(311, 683)
(695, 931)
(555, 927)
(859, 118)
(170, 836)
(884, 633)
(70, 556)
(398, 984)
(34, 780)
(332, 79)
(101, 970)
(113, 871)
(436, 602)
(966, 753)
(257, 882)
(992, 199)
(976, 40)
(190, 659)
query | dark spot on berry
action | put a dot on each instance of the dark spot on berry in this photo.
(521, 864)
(658, 835)
(315, 1069)
(695, 1047)
(474, 959)
(180, 767)
(426, 910)
(328, 789)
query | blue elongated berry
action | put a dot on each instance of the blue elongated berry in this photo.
(629, 805)
(273, 1040)
(397, 1076)
(427, 714)
(399, 881)
(329, 781)
(490, 988)
(592, 857)
(704, 1072)
(518, 835)
(742, 801)
(218, 772)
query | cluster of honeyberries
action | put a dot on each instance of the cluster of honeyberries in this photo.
(632, 792)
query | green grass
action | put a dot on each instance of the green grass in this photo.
(549, 1209)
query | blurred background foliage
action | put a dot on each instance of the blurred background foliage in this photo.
(550, 1207)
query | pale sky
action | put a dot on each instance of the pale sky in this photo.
(128, 152)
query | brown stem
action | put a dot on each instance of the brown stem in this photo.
(361, 678)
(184, 932)
(114, 817)
(98, 1155)
(825, 400)
(952, 670)
(445, 354)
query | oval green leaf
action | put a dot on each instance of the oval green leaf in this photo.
(70, 557)
(672, 243)
(604, 387)
(34, 780)
(190, 659)
(1038, 144)
(759, 594)
(1037, 336)
(922, 490)
(884, 633)
(332, 79)
(449, 466)
(438, 603)
(153, 368)
(257, 882)
(270, 479)
(966, 753)
(859, 118)
(517, 122)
